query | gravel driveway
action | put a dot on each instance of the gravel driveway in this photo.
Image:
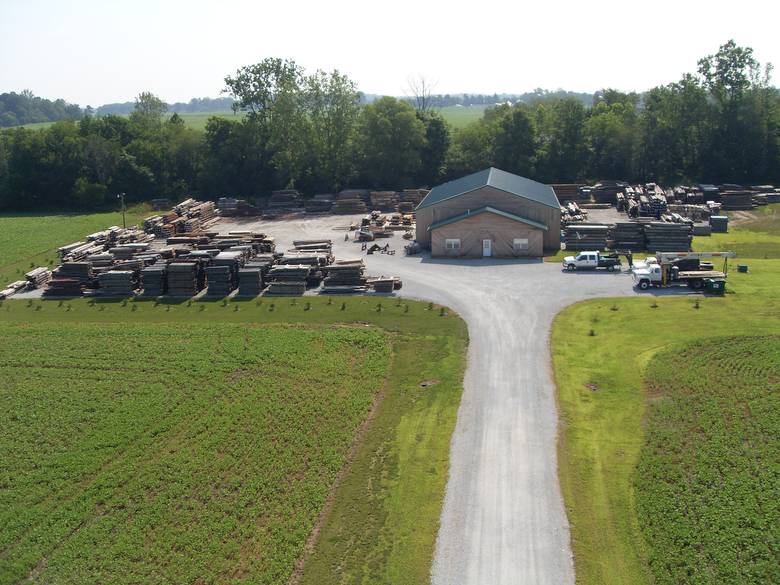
(503, 519)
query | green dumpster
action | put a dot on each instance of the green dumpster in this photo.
(714, 286)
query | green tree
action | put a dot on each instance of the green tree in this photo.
(391, 139)
(87, 195)
(434, 154)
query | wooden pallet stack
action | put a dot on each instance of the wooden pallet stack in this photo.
(736, 200)
(81, 271)
(344, 277)
(219, 281)
(116, 283)
(182, 279)
(668, 237)
(63, 287)
(250, 281)
(153, 279)
(586, 236)
(284, 200)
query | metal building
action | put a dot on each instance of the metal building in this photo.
(489, 213)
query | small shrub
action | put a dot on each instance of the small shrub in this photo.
(406, 308)
(442, 312)
(696, 304)
(591, 333)
(430, 307)
(343, 306)
(614, 308)
(307, 306)
(271, 307)
(654, 305)
(379, 307)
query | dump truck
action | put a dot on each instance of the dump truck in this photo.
(591, 260)
(667, 271)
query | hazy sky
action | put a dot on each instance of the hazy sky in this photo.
(94, 52)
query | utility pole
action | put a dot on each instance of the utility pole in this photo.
(122, 197)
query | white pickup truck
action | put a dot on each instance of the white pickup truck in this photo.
(591, 260)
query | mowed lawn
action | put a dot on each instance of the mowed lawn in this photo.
(202, 442)
(601, 351)
(28, 240)
(707, 485)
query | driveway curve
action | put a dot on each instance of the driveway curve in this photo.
(503, 520)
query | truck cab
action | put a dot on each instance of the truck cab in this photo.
(646, 277)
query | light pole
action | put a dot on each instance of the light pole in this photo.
(122, 197)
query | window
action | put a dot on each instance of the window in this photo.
(520, 244)
(452, 244)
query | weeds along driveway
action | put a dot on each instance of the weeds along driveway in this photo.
(503, 519)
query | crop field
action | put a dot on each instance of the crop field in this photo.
(707, 489)
(601, 351)
(28, 240)
(201, 442)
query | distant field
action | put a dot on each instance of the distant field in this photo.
(457, 117)
(199, 442)
(707, 489)
(752, 234)
(28, 240)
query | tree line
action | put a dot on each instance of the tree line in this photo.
(25, 108)
(311, 132)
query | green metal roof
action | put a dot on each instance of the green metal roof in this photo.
(498, 179)
(487, 209)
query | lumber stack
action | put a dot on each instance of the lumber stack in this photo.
(182, 279)
(736, 200)
(320, 203)
(153, 279)
(63, 287)
(250, 282)
(289, 273)
(13, 288)
(586, 236)
(284, 200)
(81, 271)
(668, 237)
(38, 277)
(116, 283)
(385, 285)
(285, 288)
(384, 200)
(702, 229)
(344, 274)
(219, 281)
(350, 201)
(627, 235)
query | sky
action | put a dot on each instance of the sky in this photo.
(94, 52)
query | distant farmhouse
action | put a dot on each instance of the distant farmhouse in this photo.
(491, 213)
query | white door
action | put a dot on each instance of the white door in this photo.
(487, 248)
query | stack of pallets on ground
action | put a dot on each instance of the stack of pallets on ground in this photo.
(586, 236)
(344, 277)
(63, 287)
(116, 283)
(627, 235)
(250, 281)
(736, 200)
(153, 279)
(182, 279)
(104, 260)
(384, 200)
(13, 288)
(284, 200)
(320, 203)
(219, 281)
(351, 201)
(81, 271)
(668, 237)
(38, 277)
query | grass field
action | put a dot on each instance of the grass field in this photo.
(199, 442)
(707, 489)
(28, 240)
(603, 406)
(457, 117)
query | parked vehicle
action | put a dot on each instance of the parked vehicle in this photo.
(591, 260)
(666, 271)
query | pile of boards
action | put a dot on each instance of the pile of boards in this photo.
(384, 200)
(189, 216)
(586, 236)
(736, 200)
(627, 235)
(13, 288)
(668, 237)
(116, 283)
(38, 277)
(320, 203)
(351, 201)
(344, 277)
(285, 200)
(572, 213)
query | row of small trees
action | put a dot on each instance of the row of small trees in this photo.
(310, 131)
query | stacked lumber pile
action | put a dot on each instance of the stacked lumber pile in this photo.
(385, 285)
(413, 196)
(773, 197)
(231, 207)
(116, 283)
(384, 200)
(344, 277)
(668, 237)
(627, 235)
(219, 281)
(320, 203)
(692, 212)
(289, 273)
(736, 200)
(702, 229)
(285, 289)
(153, 279)
(250, 281)
(63, 287)
(182, 279)
(78, 251)
(38, 277)
(13, 288)
(284, 200)
(606, 191)
(350, 201)
(81, 271)
(313, 245)
(586, 236)
(104, 260)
